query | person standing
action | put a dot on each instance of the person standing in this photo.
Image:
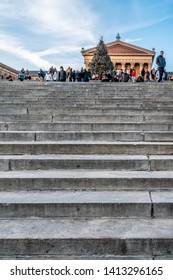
(143, 73)
(161, 62)
(62, 74)
(133, 75)
(147, 76)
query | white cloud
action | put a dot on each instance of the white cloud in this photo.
(46, 28)
(71, 18)
(61, 18)
(62, 49)
(12, 46)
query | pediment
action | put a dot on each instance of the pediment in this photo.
(121, 48)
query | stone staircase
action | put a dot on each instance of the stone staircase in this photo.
(86, 170)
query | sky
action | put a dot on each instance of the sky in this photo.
(37, 34)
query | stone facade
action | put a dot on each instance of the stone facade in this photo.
(124, 56)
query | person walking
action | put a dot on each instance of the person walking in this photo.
(161, 62)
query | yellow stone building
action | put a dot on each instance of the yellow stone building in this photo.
(124, 56)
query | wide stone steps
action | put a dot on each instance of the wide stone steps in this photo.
(101, 118)
(60, 161)
(85, 147)
(86, 170)
(25, 118)
(87, 237)
(84, 126)
(105, 162)
(81, 204)
(111, 162)
(85, 180)
(37, 103)
(60, 204)
(94, 110)
(147, 136)
(113, 118)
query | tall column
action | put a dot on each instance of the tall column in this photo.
(149, 66)
(141, 65)
(123, 66)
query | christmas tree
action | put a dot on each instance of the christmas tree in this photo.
(101, 61)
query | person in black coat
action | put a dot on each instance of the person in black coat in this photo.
(161, 62)
(62, 75)
(143, 73)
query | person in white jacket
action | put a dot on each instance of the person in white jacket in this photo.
(48, 77)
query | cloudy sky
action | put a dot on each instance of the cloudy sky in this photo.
(39, 33)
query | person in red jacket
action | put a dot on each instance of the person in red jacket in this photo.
(133, 74)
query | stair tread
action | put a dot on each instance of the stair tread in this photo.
(103, 228)
(84, 173)
(77, 157)
(88, 197)
(84, 142)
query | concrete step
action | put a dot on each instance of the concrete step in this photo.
(48, 162)
(25, 118)
(87, 237)
(155, 136)
(85, 148)
(161, 162)
(13, 110)
(84, 126)
(93, 110)
(86, 180)
(17, 136)
(77, 204)
(103, 112)
(148, 87)
(101, 118)
(113, 118)
(72, 136)
(84, 257)
(82, 102)
(88, 91)
(158, 136)
(51, 204)
(162, 204)
(110, 162)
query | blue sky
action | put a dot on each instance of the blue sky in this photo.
(39, 33)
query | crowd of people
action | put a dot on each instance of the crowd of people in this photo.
(116, 75)
(63, 75)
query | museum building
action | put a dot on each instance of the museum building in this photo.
(124, 56)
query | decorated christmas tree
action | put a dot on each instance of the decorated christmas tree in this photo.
(101, 61)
